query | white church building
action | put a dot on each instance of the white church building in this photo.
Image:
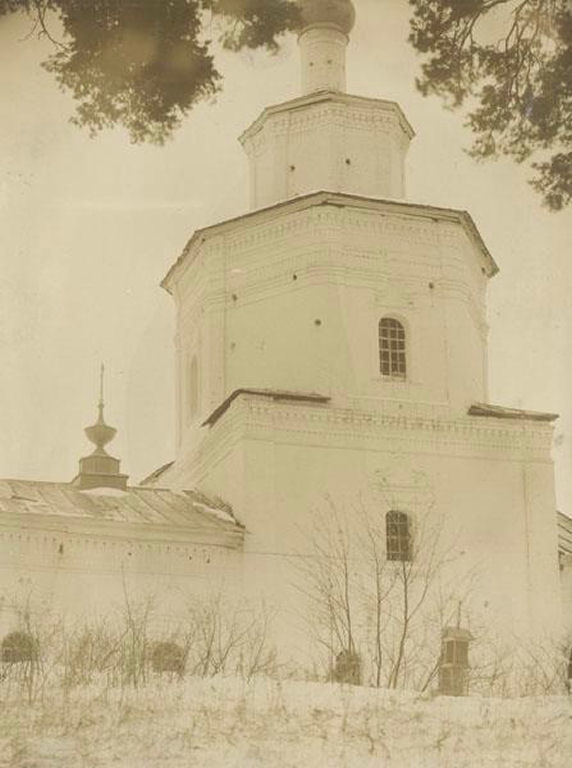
(331, 346)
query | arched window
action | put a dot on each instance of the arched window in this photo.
(392, 360)
(397, 536)
(193, 388)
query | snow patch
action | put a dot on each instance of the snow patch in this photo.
(226, 722)
(117, 492)
(219, 513)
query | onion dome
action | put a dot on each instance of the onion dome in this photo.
(338, 13)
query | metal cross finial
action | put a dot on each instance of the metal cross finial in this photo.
(101, 375)
(100, 433)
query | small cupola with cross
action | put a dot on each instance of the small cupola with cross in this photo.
(99, 469)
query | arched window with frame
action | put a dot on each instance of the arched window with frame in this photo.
(398, 543)
(392, 348)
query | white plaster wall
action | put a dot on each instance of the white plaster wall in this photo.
(81, 575)
(492, 489)
(295, 305)
(566, 596)
(265, 281)
(357, 146)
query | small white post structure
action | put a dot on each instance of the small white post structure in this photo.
(454, 662)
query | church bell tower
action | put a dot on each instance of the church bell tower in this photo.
(333, 342)
(334, 284)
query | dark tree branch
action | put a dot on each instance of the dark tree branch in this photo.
(520, 89)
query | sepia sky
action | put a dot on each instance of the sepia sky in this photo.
(88, 228)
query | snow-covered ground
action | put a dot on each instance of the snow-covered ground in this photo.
(229, 722)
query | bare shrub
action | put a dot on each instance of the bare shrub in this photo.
(133, 647)
(168, 656)
(88, 651)
(28, 651)
(519, 667)
(347, 668)
(387, 609)
(224, 639)
(123, 649)
(330, 582)
(19, 647)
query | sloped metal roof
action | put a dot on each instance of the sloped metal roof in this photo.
(157, 473)
(138, 506)
(273, 394)
(564, 534)
(500, 412)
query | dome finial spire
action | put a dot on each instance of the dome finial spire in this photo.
(99, 469)
(100, 433)
(101, 377)
(101, 403)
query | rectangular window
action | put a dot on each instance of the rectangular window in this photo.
(392, 360)
(398, 536)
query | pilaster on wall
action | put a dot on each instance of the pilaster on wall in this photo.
(541, 543)
(566, 593)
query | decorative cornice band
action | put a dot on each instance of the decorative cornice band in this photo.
(280, 220)
(336, 426)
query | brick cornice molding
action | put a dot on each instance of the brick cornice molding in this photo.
(282, 220)
(53, 552)
(340, 103)
(311, 241)
(381, 430)
(406, 226)
(332, 118)
(48, 529)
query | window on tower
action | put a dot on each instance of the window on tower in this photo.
(398, 536)
(392, 359)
